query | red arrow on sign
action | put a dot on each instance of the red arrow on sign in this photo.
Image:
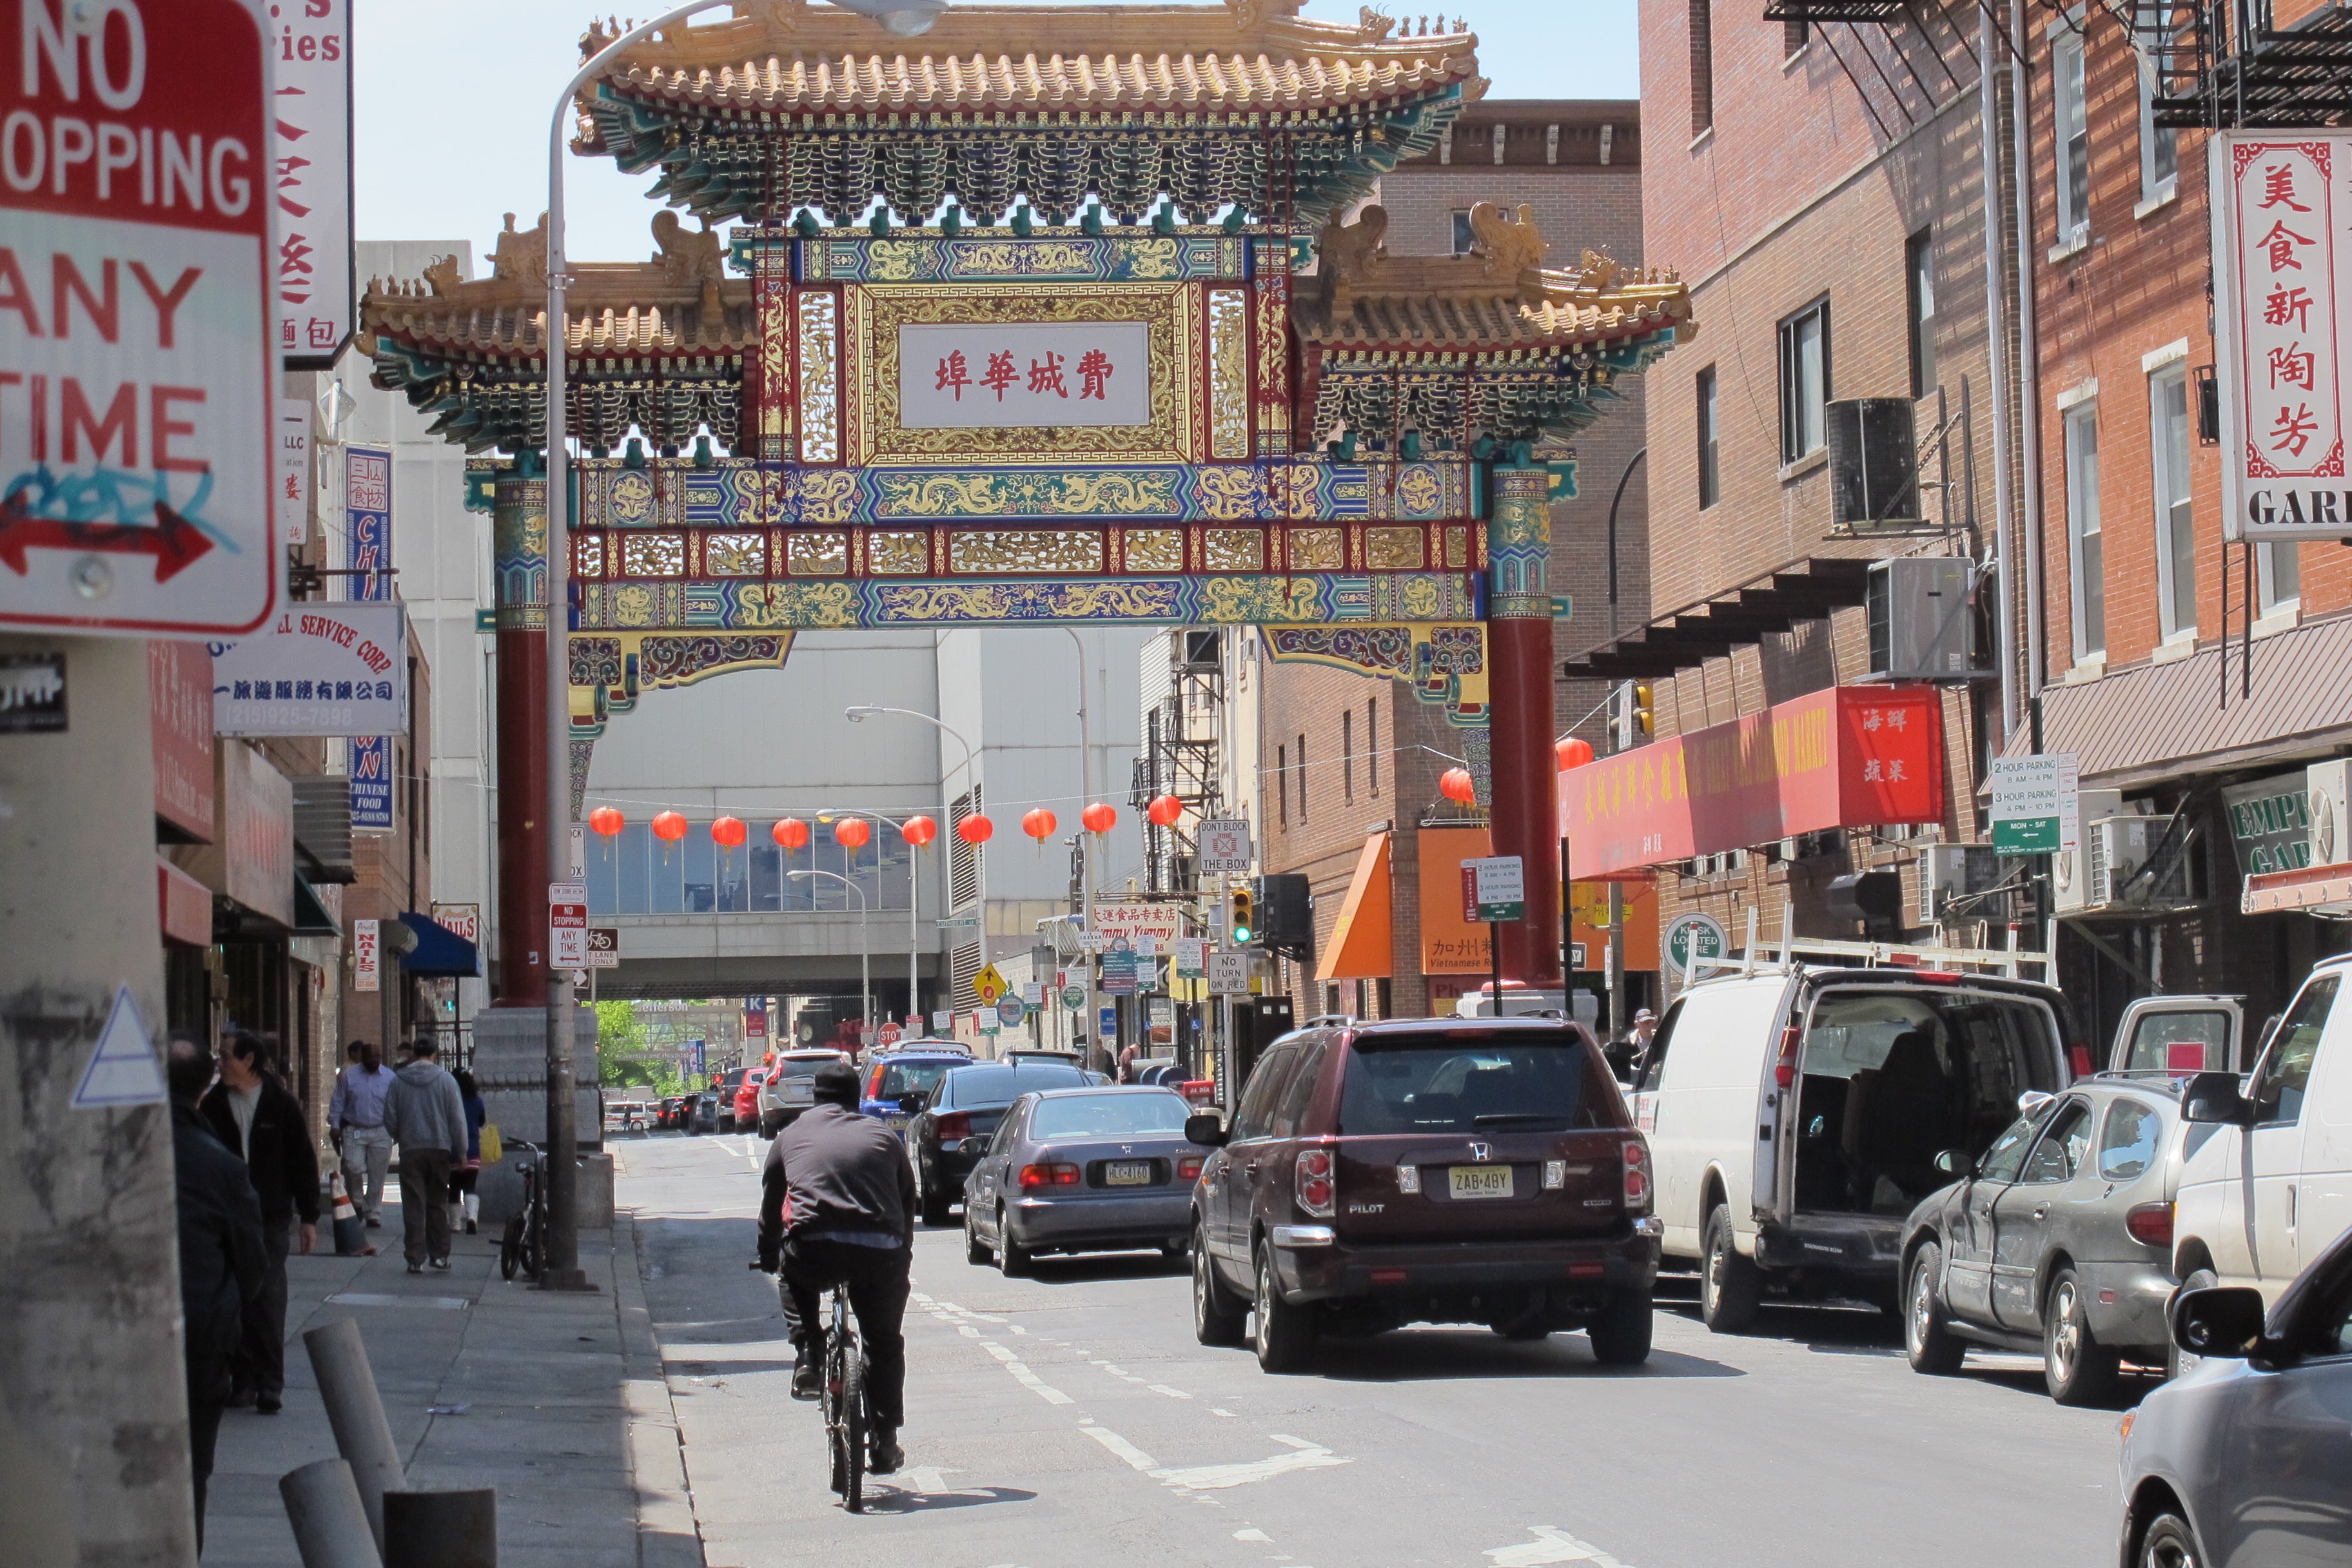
(174, 542)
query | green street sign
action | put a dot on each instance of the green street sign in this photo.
(1705, 930)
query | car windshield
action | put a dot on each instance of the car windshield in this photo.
(910, 1077)
(1469, 1081)
(800, 1069)
(1004, 1085)
(1115, 1115)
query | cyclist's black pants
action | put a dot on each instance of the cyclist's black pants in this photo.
(877, 1280)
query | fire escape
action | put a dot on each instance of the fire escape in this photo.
(2225, 65)
(1178, 757)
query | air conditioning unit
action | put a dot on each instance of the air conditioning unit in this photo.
(2330, 786)
(1922, 627)
(2121, 848)
(1199, 649)
(1950, 870)
(2070, 869)
(1874, 463)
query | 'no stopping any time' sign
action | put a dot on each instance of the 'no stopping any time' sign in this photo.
(137, 371)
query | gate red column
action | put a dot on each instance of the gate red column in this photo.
(1523, 792)
(519, 559)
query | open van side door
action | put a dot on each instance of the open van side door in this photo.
(2182, 1034)
(1776, 1101)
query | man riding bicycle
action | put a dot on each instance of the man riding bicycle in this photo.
(837, 1208)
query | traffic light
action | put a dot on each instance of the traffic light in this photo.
(1646, 716)
(1244, 917)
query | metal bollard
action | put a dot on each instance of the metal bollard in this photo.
(441, 1530)
(330, 1526)
(355, 1410)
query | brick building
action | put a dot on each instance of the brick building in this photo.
(1347, 761)
(1826, 210)
(2144, 608)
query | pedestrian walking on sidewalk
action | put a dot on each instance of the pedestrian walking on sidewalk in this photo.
(356, 1115)
(462, 1180)
(221, 1261)
(426, 1116)
(255, 1115)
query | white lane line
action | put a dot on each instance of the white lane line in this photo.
(1251, 1535)
(1170, 1393)
(1550, 1545)
(1303, 1456)
(1136, 1458)
(1214, 1410)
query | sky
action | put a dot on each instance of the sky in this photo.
(453, 99)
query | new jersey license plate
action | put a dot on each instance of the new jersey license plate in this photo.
(1127, 1173)
(1478, 1180)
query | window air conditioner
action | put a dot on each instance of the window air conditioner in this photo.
(2330, 786)
(2070, 869)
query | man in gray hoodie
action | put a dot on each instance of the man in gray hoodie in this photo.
(426, 1117)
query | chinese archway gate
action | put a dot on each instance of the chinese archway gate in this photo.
(1104, 336)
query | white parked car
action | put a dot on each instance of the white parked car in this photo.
(1795, 1114)
(788, 1088)
(2268, 1183)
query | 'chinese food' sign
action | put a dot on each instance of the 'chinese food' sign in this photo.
(2280, 268)
(1025, 375)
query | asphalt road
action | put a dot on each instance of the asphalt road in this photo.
(1071, 1421)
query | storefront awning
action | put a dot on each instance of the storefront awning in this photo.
(1846, 756)
(1360, 946)
(311, 917)
(439, 951)
(187, 906)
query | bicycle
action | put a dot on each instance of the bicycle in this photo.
(847, 1419)
(523, 1248)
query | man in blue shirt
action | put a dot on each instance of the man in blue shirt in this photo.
(356, 1115)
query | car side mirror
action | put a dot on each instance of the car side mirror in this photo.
(1957, 1162)
(1207, 1128)
(2213, 1097)
(2219, 1320)
(913, 1104)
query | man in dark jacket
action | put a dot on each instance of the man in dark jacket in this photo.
(221, 1263)
(251, 1112)
(838, 1207)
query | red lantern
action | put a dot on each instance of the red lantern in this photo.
(1456, 784)
(852, 832)
(1572, 753)
(1039, 823)
(1099, 817)
(606, 821)
(975, 830)
(919, 831)
(727, 832)
(791, 833)
(669, 826)
(1164, 810)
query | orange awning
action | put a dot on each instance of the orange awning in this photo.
(1359, 947)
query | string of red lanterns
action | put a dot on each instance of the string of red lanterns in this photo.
(606, 821)
(919, 831)
(728, 832)
(1101, 817)
(1164, 810)
(669, 826)
(852, 832)
(975, 829)
(1039, 823)
(1572, 753)
(1456, 784)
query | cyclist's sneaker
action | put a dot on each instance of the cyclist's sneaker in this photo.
(808, 1378)
(887, 1454)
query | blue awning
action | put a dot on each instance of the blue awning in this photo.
(438, 951)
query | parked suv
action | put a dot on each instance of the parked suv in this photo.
(1425, 1171)
(790, 1088)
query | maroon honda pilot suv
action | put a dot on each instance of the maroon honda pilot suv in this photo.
(1478, 1171)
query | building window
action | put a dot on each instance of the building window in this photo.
(1464, 236)
(2176, 539)
(2159, 145)
(1793, 34)
(1702, 66)
(1372, 745)
(1919, 275)
(2281, 579)
(1710, 475)
(1302, 779)
(1282, 783)
(2082, 532)
(1348, 755)
(2074, 182)
(1804, 380)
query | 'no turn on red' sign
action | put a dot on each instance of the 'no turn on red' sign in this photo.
(137, 367)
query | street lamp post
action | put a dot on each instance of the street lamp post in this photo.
(864, 948)
(1085, 862)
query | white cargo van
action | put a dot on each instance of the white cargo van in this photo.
(2268, 1183)
(1795, 1112)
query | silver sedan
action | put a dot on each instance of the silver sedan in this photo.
(1083, 1170)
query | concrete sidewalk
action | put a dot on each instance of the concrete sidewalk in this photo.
(557, 1401)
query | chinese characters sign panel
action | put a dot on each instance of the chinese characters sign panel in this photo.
(367, 520)
(310, 180)
(320, 669)
(2281, 263)
(1025, 375)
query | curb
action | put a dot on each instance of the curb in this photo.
(669, 1535)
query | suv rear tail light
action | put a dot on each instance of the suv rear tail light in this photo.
(1054, 1175)
(1187, 1167)
(2150, 1224)
(1315, 1187)
(1637, 1176)
(1784, 1071)
(954, 1127)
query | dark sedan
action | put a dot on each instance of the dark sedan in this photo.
(946, 1135)
(1084, 1170)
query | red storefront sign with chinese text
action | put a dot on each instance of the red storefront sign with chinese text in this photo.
(1846, 756)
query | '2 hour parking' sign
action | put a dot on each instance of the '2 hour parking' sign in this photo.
(137, 372)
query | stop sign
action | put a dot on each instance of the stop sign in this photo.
(889, 1035)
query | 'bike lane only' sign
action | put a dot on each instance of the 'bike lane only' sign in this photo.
(137, 373)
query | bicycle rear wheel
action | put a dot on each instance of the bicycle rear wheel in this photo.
(853, 1428)
(510, 1249)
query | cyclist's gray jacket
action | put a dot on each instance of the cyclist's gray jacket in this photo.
(836, 1169)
